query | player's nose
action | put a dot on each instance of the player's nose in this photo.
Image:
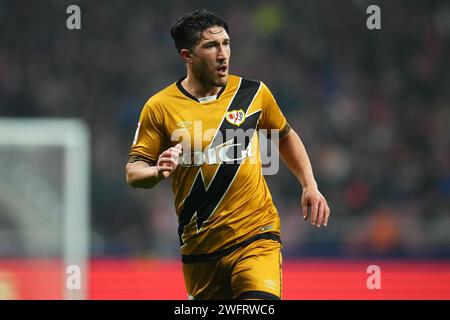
(222, 54)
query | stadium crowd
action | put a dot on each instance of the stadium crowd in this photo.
(372, 107)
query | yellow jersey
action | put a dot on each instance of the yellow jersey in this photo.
(221, 197)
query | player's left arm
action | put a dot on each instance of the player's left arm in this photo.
(294, 155)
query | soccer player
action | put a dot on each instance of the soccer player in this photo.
(229, 228)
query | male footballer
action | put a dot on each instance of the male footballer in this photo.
(229, 228)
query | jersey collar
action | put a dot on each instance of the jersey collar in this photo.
(201, 100)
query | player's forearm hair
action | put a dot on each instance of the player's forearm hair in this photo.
(294, 155)
(140, 174)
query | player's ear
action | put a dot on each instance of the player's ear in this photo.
(186, 55)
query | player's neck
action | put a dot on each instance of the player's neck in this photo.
(198, 89)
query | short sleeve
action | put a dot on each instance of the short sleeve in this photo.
(149, 138)
(271, 115)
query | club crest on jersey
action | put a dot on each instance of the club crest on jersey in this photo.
(236, 117)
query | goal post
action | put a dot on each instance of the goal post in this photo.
(65, 219)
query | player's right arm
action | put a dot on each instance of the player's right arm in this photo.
(140, 174)
(151, 160)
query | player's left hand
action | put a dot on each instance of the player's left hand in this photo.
(319, 211)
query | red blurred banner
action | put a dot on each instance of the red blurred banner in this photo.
(162, 280)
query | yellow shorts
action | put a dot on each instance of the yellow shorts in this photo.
(249, 272)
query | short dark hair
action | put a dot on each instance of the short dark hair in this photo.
(186, 32)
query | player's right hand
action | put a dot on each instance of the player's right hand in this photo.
(168, 161)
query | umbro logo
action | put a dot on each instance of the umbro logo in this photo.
(184, 124)
(269, 283)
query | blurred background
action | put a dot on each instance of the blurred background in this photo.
(371, 106)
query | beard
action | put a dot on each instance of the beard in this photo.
(222, 82)
(207, 75)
